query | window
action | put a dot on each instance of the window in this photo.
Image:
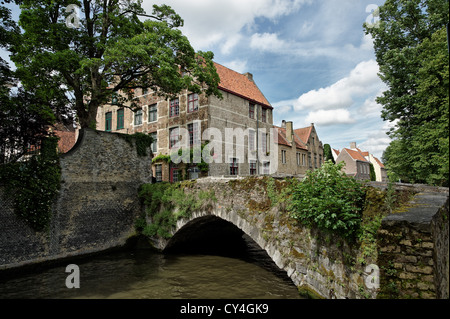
(154, 145)
(120, 113)
(192, 102)
(158, 173)
(174, 137)
(283, 156)
(304, 159)
(194, 137)
(234, 169)
(193, 172)
(251, 110)
(153, 113)
(138, 117)
(298, 159)
(264, 115)
(174, 174)
(108, 121)
(309, 160)
(252, 167)
(251, 140)
(315, 161)
(174, 108)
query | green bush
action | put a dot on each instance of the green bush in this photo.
(33, 185)
(329, 200)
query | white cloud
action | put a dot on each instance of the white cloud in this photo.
(329, 117)
(363, 80)
(219, 22)
(267, 42)
(237, 65)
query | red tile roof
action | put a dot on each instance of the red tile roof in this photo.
(379, 162)
(336, 151)
(240, 85)
(283, 140)
(66, 140)
(304, 133)
(282, 136)
(355, 155)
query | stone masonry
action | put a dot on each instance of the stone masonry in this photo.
(96, 207)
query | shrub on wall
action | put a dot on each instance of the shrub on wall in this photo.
(33, 185)
(166, 203)
(329, 200)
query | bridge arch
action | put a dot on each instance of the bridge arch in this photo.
(233, 224)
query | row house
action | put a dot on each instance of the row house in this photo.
(357, 163)
(237, 128)
(299, 150)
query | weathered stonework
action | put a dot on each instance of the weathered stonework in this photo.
(96, 207)
(325, 265)
(413, 249)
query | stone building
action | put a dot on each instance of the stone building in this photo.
(357, 163)
(299, 150)
(237, 128)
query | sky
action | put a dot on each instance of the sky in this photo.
(310, 58)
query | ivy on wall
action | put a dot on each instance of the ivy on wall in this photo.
(168, 202)
(34, 184)
(142, 142)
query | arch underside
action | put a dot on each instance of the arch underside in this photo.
(211, 234)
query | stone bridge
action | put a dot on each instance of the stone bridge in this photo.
(411, 243)
(98, 206)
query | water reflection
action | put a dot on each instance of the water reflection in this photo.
(144, 274)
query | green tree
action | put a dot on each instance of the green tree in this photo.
(327, 153)
(411, 49)
(24, 115)
(107, 50)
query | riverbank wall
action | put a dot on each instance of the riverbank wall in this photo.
(95, 209)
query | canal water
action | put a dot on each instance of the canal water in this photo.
(143, 273)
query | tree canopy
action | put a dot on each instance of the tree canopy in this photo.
(109, 49)
(411, 49)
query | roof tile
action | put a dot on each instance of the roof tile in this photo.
(239, 84)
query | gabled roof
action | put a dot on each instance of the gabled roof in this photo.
(282, 136)
(356, 155)
(304, 133)
(336, 151)
(378, 162)
(240, 85)
(282, 139)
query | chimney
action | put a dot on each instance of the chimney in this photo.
(289, 131)
(249, 76)
(353, 145)
(283, 124)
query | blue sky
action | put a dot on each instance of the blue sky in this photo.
(310, 59)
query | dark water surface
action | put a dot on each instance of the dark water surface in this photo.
(141, 274)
